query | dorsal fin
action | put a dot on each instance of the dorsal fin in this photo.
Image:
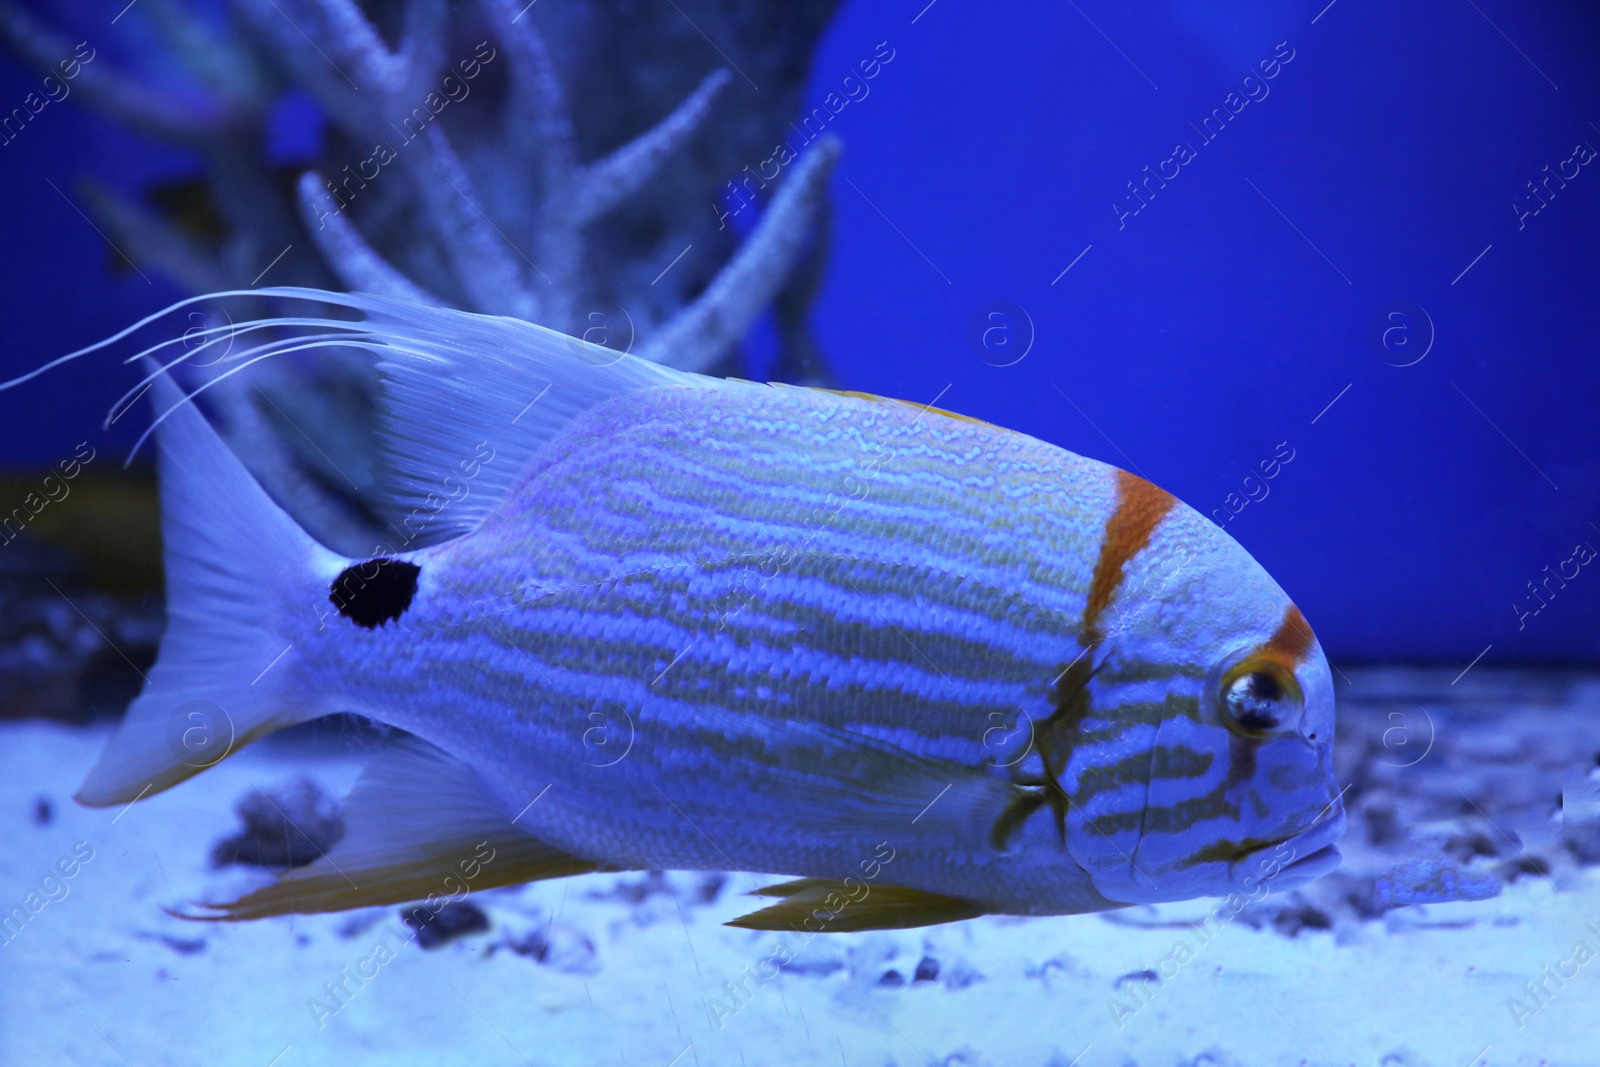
(418, 824)
(468, 399)
(457, 387)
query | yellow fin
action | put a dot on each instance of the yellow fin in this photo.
(823, 905)
(419, 824)
(440, 873)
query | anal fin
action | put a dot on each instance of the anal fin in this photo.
(823, 905)
(419, 824)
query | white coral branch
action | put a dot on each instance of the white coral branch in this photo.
(152, 241)
(539, 103)
(148, 110)
(517, 249)
(332, 66)
(218, 57)
(340, 31)
(359, 267)
(477, 249)
(703, 332)
(605, 183)
(422, 46)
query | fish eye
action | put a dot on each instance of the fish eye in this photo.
(1259, 697)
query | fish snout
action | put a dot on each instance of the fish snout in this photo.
(1296, 860)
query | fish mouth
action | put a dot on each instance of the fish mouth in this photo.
(1293, 861)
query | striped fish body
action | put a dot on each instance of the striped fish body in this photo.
(666, 621)
(688, 579)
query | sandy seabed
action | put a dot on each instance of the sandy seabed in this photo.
(634, 969)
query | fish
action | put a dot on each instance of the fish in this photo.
(630, 618)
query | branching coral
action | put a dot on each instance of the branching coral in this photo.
(541, 198)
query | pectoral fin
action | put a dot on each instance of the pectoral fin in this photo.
(822, 905)
(419, 824)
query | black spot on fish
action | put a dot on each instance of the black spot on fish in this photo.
(375, 592)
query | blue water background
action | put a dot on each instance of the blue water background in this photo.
(1187, 341)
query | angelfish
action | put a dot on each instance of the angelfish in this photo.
(634, 618)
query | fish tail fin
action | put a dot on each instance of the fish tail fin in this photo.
(224, 675)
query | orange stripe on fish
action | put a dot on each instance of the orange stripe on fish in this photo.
(924, 408)
(1292, 640)
(1140, 506)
